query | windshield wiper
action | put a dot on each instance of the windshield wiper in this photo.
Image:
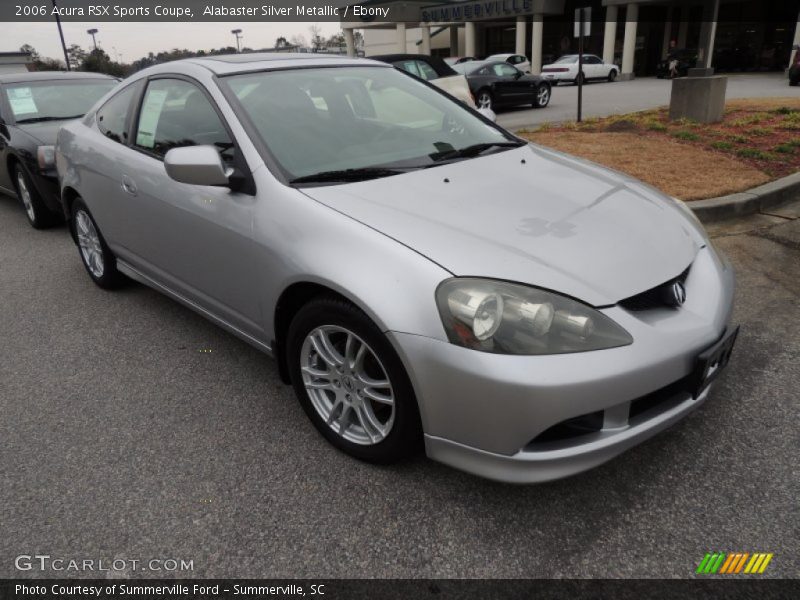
(474, 150)
(348, 175)
(43, 119)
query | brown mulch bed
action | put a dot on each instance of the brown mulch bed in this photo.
(758, 141)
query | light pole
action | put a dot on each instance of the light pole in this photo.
(61, 35)
(238, 34)
(93, 32)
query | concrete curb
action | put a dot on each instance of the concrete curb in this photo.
(759, 199)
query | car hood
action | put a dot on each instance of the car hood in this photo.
(44, 133)
(533, 216)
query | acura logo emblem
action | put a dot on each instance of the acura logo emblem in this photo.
(677, 294)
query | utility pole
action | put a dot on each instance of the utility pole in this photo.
(580, 65)
(238, 34)
(61, 35)
(93, 32)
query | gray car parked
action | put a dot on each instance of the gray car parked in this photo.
(423, 277)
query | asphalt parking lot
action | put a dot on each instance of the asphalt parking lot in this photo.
(132, 428)
(603, 99)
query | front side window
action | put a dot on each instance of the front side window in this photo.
(36, 101)
(176, 113)
(112, 118)
(504, 70)
(326, 119)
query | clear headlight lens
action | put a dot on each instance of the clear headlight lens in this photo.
(506, 318)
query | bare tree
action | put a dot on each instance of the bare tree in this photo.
(317, 41)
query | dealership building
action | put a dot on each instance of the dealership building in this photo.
(728, 35)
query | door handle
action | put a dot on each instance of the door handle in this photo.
(129, 186)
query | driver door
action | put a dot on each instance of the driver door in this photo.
(196, 240)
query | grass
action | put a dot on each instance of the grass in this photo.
(722, 145)
(753, 153)
(785, 148)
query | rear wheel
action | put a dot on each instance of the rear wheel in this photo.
(96, 256)
(351, 383)
(484, 99)
(542, 97)
(39, 216)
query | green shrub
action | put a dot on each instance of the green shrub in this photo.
(785, 148)
(786, 110)
(656, 126)
(689, 136)
(754, 153)
(722, 145)
(739, 139)
(761, 131)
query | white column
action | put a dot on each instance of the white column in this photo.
(683, 31)
(667, 34)
(610, 36)
(426, 40)
(629, 46)
(521, 25)
(536, 44)
(350, 41)
(401, 38)
(470, 39)
(708, 32)
(796, 41)
(454, 40)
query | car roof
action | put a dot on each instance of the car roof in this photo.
(228, 64)
(50, 76)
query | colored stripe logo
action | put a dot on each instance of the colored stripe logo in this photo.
(733, 563)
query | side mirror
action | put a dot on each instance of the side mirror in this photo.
(197, 165)
(488, 113)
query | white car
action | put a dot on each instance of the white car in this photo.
(517, 60)
(566, 69)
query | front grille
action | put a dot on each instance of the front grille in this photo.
(654, 297)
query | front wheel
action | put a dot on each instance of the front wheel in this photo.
(39, 216)
(542, 97)
(96, 256)
(484, 99)
(351, 383)
(612, 75)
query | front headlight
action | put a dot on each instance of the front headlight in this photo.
(46, 157)
(507, 318)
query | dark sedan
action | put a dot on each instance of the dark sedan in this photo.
(33, 106)
(496, 84)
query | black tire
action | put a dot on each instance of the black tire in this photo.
(541, 100)
(39, 216)
(794, 82)
(109, 277)
(479, 96)
(404, 439)
(612, 75)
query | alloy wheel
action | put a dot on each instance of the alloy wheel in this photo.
(89, 243)
(25, 195)
(347, 384)
(484, 100)
(543, 95)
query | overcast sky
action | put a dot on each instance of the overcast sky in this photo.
(134, 40)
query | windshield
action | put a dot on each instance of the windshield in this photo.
(55, 100)
(334, 120)
(566, 60)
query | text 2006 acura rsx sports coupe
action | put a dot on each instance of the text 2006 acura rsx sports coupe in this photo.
(421, 275)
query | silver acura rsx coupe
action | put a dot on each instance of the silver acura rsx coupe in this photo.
(423, 277)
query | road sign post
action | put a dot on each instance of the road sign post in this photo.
(583, 27)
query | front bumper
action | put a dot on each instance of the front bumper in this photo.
(487, 413)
